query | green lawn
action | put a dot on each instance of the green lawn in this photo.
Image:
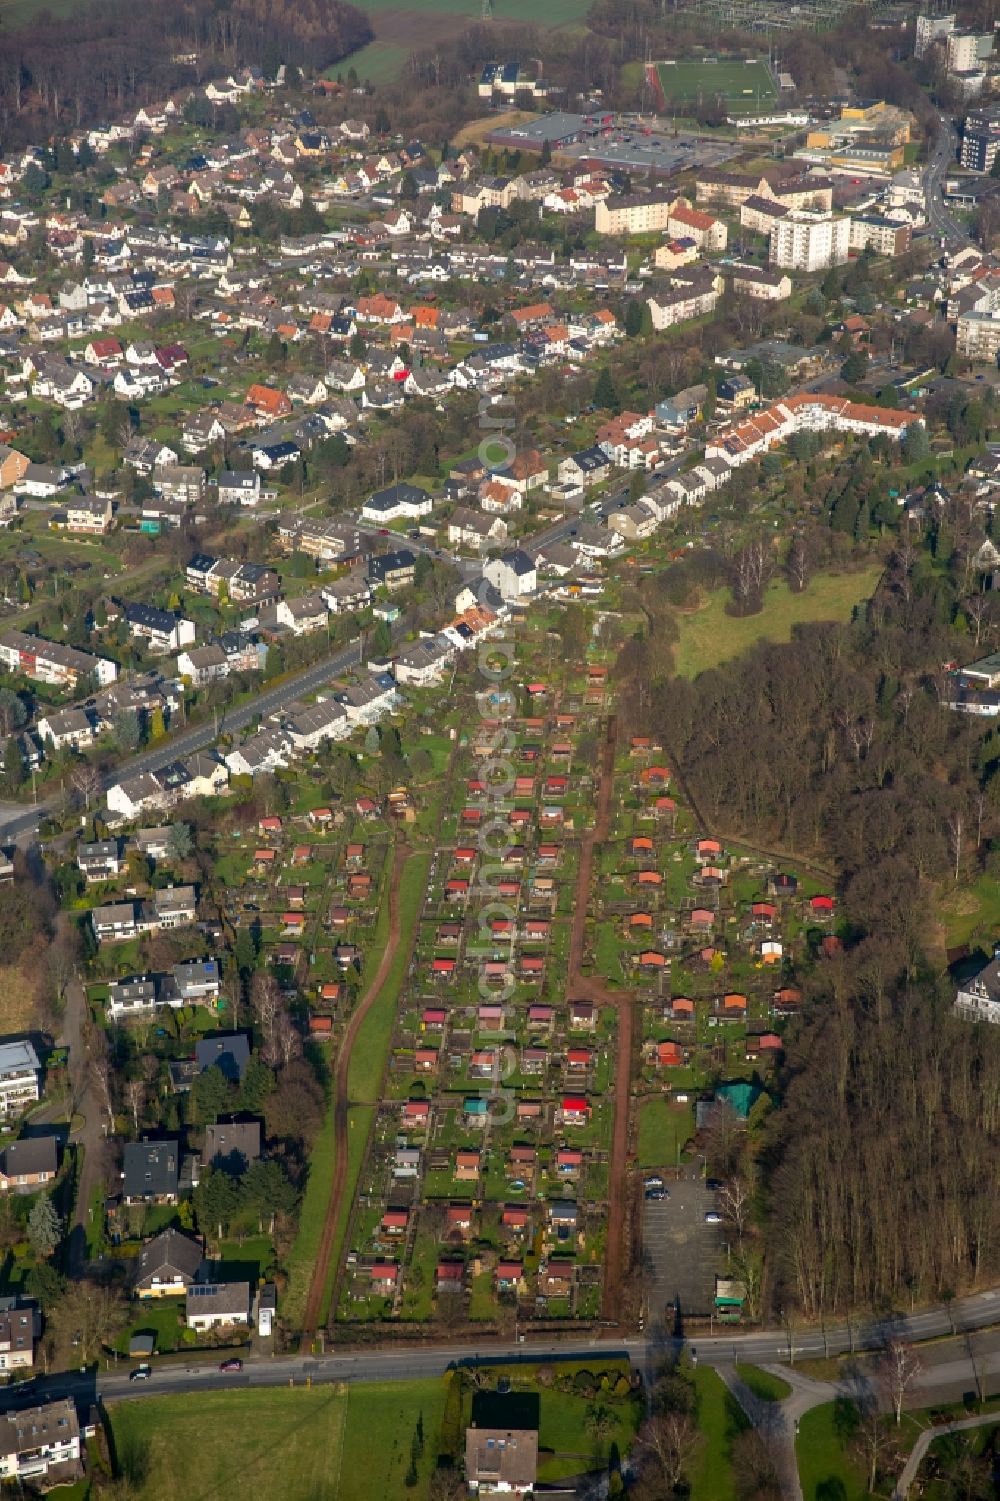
(720, 1420)
(825, 1469)
(255, 1445)
(765, 1386)
(302, 1256)
(381, 1421)
(709, 636)
(971, 914)
(663, 1130)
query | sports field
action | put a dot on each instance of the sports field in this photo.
(741, 87)
(401, 28)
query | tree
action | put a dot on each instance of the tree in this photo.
(855, 367)
(605, 395)
(126, 729)
(916, 446)
(86, 779)
(46, 1283)
(211, 1094)
(215, 1200)
(91, 1312)
(13, 765)
(898, 1368)
(45, 1226)
(13, 714)
(633, 318)
(665, 1445)
(382, 639)
(157, 728)
(179, 842)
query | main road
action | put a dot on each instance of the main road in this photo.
(939, 218)
(968, 1332)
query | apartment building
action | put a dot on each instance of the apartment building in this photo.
(20, 1072)
(931, 29)
(52, 662)
(707, 232)
(880, 235)
(37, 1443)
(810, 242)
(634, 213)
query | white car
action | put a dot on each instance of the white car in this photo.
(713, 1218)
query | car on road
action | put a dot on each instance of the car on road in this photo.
(384, 531)
(232, 1365)
(713, 1217)
(141, 1373)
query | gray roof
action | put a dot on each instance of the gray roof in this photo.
(30, 1155)
(229, 1052)
(149, 1169)
(169, 1253)
(218, 1298)
(231, 1139)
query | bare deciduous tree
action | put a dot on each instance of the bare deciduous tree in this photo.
(665, 1445)
(898, 1369)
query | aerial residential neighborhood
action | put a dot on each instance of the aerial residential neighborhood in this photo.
(499, 782)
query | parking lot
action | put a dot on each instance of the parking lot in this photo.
(681, 1252)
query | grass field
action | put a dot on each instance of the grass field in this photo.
(257, 1445)
(743, 87)
(663, 1130)
(381, 1421)
(825, 1469)
(709, 636)
(765, 1386)
(402, 28)
(720, 1420)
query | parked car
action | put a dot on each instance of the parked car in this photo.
(712, 1218)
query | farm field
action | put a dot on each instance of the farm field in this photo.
(743, 87)
(709, 636)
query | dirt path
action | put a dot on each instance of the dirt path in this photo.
(90, 1137)
(321, 1270)
(590, 988)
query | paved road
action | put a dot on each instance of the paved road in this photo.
(199, 737)
(939, 219)
(949, 1369)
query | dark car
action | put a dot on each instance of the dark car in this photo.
(141, 1373)
(713, 1184)
(654, 1195)
(232, 1365)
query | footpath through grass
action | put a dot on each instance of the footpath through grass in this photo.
(370, 1052)
(709, 637)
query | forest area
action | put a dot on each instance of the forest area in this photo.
(117, 55)
(837, 747)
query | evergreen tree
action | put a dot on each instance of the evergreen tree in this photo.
(45, 1226)
(13, 765)
(633, 318)
(605, 395)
